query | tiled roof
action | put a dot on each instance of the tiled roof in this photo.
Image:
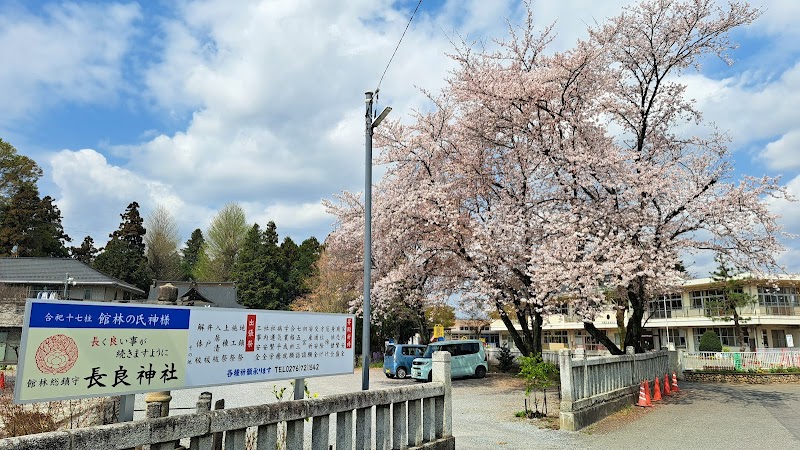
(222, 295)
(33, 271)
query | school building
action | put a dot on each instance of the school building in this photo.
(771, 321)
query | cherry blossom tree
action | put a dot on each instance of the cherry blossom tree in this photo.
(582, 175)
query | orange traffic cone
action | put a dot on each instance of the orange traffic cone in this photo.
(674, 383)
(656, 391)
(647, 392)
(643, 400)
(2, 380)
(667, 390)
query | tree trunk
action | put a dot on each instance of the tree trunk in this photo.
(601, 337)
(636, 298)
(536, 342)
(738, 328)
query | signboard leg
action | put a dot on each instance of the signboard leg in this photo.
(299, 388)
(126, 407)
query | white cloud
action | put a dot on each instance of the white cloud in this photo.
(72, 53)
(784, 153)
(94, 192)
(273, 93)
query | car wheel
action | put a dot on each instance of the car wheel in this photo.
(480, 372)
(401, 372)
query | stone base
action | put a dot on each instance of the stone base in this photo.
(742, 377)
(605, 406)
(448, 443)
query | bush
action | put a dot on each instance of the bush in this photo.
(709, 342)
(506, 359)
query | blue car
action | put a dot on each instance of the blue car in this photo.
(398, 358)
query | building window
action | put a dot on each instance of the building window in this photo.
(676, 336)
(587, 341)
(727, 335)
(778, 301)
(663, 306)
(711, 301)
(555, 337)
(87, 294)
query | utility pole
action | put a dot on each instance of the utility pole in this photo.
(365, 338)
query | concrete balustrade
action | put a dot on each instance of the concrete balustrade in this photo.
(418, 416)
(594, 387)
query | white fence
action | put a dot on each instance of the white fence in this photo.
(741, 361)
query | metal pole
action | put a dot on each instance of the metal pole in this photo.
(666, 321)
(365, 337)
(66, 282)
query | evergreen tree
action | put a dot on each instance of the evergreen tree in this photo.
(131, 230)
(124, 256)
(86, 253)
(30, 226)
(734, 299)
(191, 253)
(15, 171)
(258, 271)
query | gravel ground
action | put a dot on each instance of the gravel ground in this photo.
(483, 409)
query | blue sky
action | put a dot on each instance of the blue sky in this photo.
(196, 104)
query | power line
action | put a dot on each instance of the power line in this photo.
(398, 46)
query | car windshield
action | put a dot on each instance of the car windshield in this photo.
(429, 351)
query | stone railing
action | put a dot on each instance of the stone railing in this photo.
(418, 416)
(594, 387)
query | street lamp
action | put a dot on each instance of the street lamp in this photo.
(370, 126)
(67, 281)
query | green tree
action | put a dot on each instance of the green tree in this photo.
(441, 314)
(734, 299)
(299, 266)
(86, 253)
(30, 226)
(131, 230)
(258, 270)
(191, 253)
(162, 243)
(538, 375)
(15, 170)
(223, 240)
(124, 256)
(709, 342)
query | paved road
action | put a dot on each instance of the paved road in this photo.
(708, 416)
(713, 416)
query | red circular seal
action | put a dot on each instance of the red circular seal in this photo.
(56, 354)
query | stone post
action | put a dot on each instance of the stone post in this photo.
(629, 350)
(158, 402)
(441, 374)
(566, 416)
(204, 402)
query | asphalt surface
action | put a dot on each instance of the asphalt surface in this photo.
(707, 416)
(713, 416)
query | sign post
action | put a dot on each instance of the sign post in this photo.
(73, 349)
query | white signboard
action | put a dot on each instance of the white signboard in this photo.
(789, 340)
(75, 349)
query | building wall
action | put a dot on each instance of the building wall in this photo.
(772, 323)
